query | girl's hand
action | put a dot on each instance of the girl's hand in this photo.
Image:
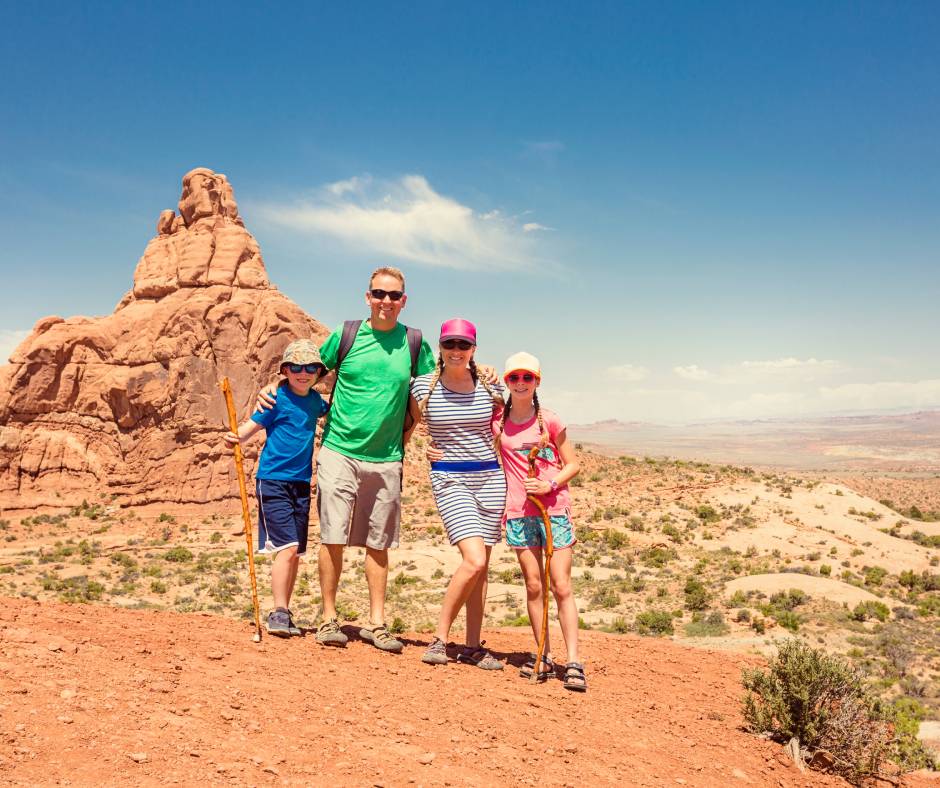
(434, 453)
(231, 439)
(537, 487)
(488, 373)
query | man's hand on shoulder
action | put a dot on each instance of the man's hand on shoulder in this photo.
(488, 373)
(267, 398)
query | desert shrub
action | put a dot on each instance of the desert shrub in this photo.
(696, 596)
(825, 570)
(179, 555)
(615, 539)
(397, 626)
(658, 557)
(712, 625)
(707, 514)
(654, 622)
(870, 609)
(743, 615)
(635, 523)
(158, 587)
(605, 597)
(821, 701)
(166, 518)
(619, 625)
(874, 575)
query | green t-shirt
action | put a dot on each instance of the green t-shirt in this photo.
(371, 396)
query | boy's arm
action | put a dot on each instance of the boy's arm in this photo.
(245, 431)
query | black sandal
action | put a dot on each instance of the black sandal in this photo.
(528, 668)
(574, 677)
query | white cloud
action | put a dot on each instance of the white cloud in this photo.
(531, 227)
(628, 373)
(9, 340)
(409, 220)
(882, 394)
(789, 364)
(692, 372)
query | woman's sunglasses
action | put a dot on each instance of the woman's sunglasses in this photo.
(379, 295)
(310, 369)
(514, 377)
(459, 344)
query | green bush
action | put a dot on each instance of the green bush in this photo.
(654, 622)
(615, 539)
(707, 514)
(821, 701)
(712, 625)
(874, 575)
(696, 597)
(178, 555)
(870, 609)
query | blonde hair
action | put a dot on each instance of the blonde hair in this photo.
(388, 270)
(435, 379)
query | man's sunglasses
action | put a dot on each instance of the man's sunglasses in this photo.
(514, 377)
(460, 344)
(310, 369)
(379, 294)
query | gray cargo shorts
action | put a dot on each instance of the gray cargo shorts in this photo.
(359, 502)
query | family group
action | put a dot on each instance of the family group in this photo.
(493, 449)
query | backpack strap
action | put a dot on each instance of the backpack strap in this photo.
(415, 339)
(350, 330)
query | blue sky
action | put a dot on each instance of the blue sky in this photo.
(687, 210)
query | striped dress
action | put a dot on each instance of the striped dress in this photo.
(469, 486)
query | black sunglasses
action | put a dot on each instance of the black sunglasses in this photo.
(528, 377)
(379, 294)
(461, 344)
(308, 368)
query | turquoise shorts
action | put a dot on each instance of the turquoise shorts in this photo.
(523, 532)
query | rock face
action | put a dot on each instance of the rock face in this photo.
(129, 405)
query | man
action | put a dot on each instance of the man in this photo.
(359, 467)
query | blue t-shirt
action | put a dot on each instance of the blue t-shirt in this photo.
(290, 426)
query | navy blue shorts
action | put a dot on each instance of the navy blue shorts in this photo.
(283, 515)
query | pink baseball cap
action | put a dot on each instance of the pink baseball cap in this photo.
(458, 328)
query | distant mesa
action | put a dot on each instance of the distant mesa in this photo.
(128, 405)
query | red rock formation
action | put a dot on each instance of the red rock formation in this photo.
(128, 404)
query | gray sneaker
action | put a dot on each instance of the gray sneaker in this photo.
(436, 653)
(294, 629)
(279, 623)
(329, 634)
(381, 638)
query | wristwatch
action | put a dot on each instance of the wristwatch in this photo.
(554, 485)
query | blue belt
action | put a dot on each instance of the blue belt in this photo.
(467, 466)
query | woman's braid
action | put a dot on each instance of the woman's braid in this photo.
(423, 407)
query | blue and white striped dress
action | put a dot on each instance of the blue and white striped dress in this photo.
(469, 486)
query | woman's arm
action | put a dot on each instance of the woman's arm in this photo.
(569, 467)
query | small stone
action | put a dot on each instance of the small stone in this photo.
(740, 774)
(215, 655)
(64, 718)
(19, 727)
(227, 715)
(137, 757)
(54, 646)
(195, 754)
(427, 758)
(271, 770)
(67, 694)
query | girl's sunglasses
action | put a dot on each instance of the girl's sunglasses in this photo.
(514, 377)
(379, 295)
(310, 369)
(459, 344)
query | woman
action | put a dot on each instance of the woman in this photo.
(468, 485)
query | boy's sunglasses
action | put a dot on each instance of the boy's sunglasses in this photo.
(460, 344)
(514, 377)
(310, 369)
(379, 294)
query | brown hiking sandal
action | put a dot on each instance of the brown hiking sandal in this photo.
(329, 634)
(528, 668)
(381, 638)
(479, 656)
(574, 677)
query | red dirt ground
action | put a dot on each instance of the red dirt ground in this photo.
(92, 695)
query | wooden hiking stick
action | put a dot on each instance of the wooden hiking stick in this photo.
(549, 549)
(243, 491)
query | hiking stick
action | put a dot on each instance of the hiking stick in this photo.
(243, 491)
(547, 585)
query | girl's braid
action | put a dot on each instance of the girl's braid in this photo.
(423, 407)
(544, 437)
(502, 423)
(497, 400)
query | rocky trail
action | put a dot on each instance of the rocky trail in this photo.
(100, 695)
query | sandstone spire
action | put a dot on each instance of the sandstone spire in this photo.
(128, 404)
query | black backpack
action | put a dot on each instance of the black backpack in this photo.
(350, 329)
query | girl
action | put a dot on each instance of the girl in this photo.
(468, 485)
(523, 425)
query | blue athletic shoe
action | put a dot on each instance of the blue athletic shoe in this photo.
(278, 623)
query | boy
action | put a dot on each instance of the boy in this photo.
(283, 474)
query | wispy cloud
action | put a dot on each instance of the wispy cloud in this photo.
(628, 373)
(409, 220)
(533, 227)
(692, 372)
(10, 338)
